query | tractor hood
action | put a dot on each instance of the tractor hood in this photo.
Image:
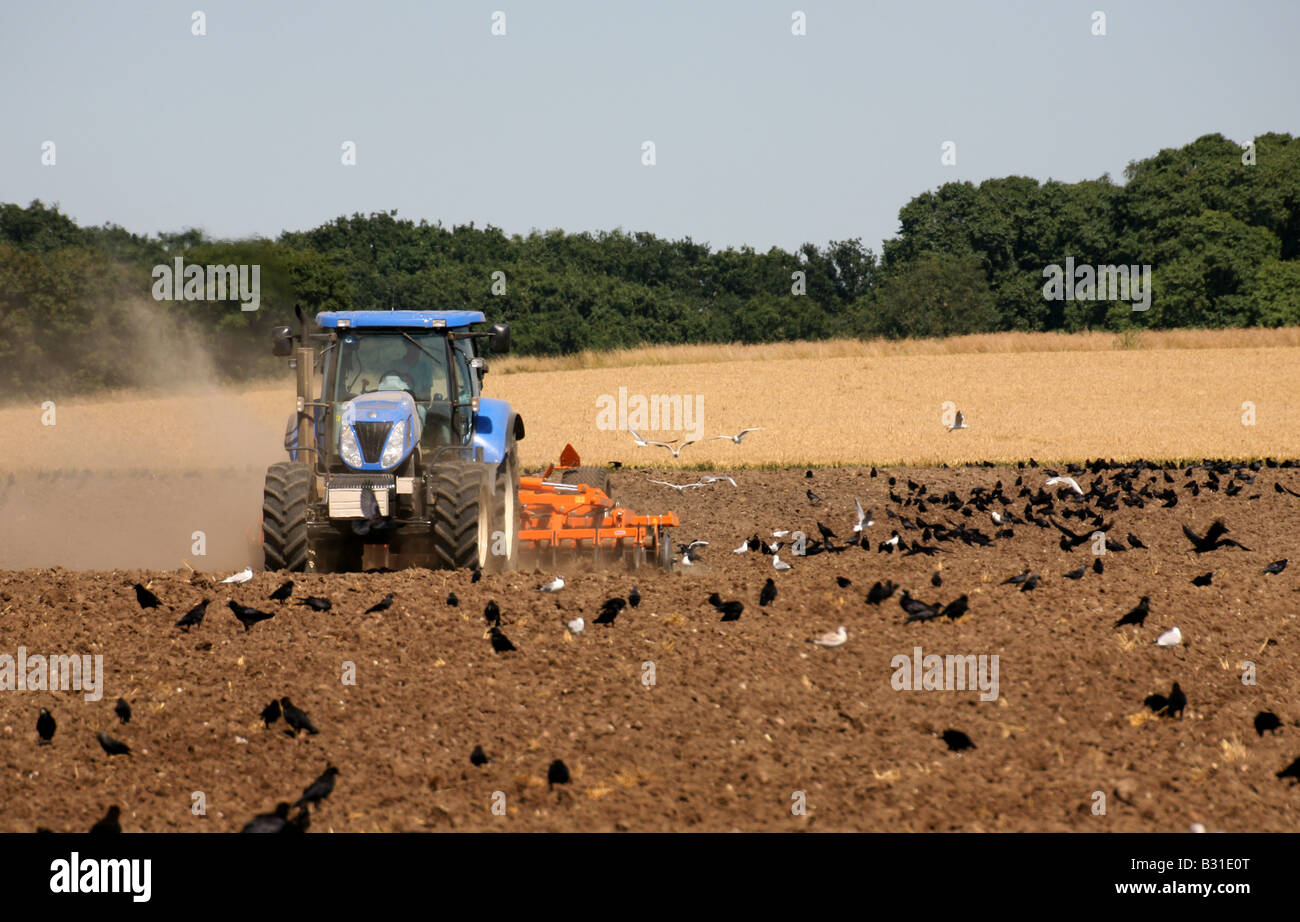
(377, 431)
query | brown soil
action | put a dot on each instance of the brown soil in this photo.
(742, 715)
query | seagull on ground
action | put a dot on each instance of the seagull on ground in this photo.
(242, 576)
(576, 625)
(779, 564)
(836, 638)
(1170, 638)
(554, 585)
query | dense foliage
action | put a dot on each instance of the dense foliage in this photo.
(1222, 238)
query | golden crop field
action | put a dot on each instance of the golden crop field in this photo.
(1181, 394)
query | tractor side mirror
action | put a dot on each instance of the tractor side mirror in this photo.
(281, 341)
(500, 338)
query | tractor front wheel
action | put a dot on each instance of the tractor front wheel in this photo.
(505, 516)
(284, 515)
(462, 515)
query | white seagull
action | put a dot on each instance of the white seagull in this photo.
(1170, 638)
(864, 518)
(679, 487)
(576, 625)
(743, 549)
(242, 576)
(836, 638)
(780, 565)
(735, 438)
(780, 533)
(709, 478)
(959, 422)
(554, 585)
(642, 442)
(1067, 481)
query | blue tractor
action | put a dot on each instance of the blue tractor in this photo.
(395, 457)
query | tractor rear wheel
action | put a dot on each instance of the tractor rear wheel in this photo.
(596, 477)
(284, 515)
(462, 515)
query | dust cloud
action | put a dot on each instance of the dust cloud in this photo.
(127, 479)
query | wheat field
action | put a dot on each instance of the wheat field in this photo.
(1177, 395)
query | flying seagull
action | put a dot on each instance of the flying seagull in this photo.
(1065, 481)
(679, 487)
(959, 422)
(864, 518)
(734, 438)
(642, 443)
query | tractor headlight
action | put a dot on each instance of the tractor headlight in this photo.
(349, 450)
(395, 448)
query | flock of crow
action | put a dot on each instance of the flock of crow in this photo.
(919, 522)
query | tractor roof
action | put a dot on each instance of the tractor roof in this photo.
(424, 320)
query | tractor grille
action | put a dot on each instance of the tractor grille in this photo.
(372, 437)
(343, 494)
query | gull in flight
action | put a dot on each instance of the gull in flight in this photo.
(709, 478)
(740, 437)
(780, 533)
(642, 443)
(1066, 481)
(679, 487)
(242, 576)
(836, 638)
(959, 422)
(864, 518)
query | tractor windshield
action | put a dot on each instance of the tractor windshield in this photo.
(391, 361)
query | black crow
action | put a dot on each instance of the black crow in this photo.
(194, 617)
(768, 593)
(283, 593)
(956, 608)
(634, 597)
(45, 726)
(1138, 615)
(1266, 721)
(145, 598)
(557, 773)
(248, 616)
(731, 610)
(957, 741)
(1097, 566)
(1276, 566)
(880, 591)
(1213, 539)
(271, 713)
(478, 757)
(296, 718)
(916, 609)
(123, 710)
(1076, 574)
(1204, 579)
(492, 613)
(382, 605)
(452, 600)
(936, 580)
(316, 603)
(269, 822)
(500, 642)
(319, 789)
(111, 746)
(110, 824)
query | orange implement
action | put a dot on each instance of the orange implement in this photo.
(557, 513)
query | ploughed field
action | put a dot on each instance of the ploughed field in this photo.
(671, 718)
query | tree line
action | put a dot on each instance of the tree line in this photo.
(1217, 224)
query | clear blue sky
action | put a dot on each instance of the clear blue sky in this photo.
(762, 138)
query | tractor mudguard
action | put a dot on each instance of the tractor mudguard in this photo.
(291, 433)
(496, 428)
